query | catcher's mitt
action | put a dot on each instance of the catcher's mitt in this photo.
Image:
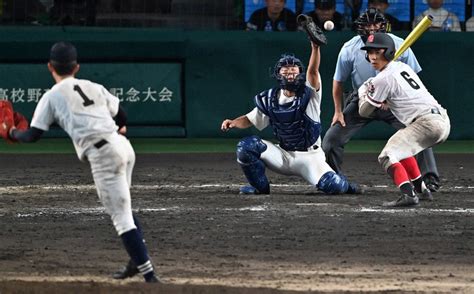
(314, 32)
(6, 119)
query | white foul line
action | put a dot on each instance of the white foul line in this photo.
(47, 211)
(28, 188)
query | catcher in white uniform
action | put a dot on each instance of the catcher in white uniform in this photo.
(398, 88)
(86, 111)
(292, 110)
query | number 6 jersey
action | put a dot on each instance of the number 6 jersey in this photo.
(402, 90)
(84, 109)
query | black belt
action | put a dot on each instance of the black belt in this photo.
(432, 111)
(314, 147)
(101, 143)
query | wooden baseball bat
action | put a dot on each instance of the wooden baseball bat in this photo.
(424, 24)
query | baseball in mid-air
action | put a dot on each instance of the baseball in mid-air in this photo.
(328, 25)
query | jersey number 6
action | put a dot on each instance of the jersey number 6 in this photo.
(86, 99)
(410, 81)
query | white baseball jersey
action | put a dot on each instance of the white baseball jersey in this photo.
(84, 109)
(351, 62)
(401, 88)
(313, 111)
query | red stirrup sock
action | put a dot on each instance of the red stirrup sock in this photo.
(411, 167)
(400, 177)
(413, 171)
(398, 174)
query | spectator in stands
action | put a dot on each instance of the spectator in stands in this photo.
(443, 20)
(325, 10)
(382, 5)
(73, 12)
(272, 18)
(470, 24)
(354, 7)
(22, 12)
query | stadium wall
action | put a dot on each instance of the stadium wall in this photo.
(189, 81)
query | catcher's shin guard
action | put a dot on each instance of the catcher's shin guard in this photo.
(332, 183)
(249, 150)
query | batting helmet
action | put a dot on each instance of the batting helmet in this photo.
(289, 60)
(381, 40)
(370, 16)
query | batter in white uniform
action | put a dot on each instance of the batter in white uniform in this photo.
(398, 88)
(86, 111)
(292, 110)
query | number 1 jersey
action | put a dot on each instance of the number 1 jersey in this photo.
(84, 109)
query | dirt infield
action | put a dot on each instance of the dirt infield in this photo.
(205, 238)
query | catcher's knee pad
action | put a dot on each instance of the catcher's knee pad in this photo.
(249, 150)
(332, 183)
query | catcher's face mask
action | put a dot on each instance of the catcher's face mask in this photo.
(289, 72)
(369, 22)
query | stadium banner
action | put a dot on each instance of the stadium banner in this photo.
(151, 91)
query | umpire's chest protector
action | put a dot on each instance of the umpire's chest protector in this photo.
(294, 130)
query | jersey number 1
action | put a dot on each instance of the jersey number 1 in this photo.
(86, 99)
(410, 81)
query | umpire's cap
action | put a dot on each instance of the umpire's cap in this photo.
(381, 41)
(63, 53)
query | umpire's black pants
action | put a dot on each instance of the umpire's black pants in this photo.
(337, 136)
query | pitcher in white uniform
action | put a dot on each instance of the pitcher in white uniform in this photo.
(398, 88)
(92, 117)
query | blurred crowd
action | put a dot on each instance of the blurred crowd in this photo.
(274, 15)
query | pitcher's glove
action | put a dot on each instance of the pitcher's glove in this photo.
(21, 123)
(10, 119)
(314, 32)
(7, 120)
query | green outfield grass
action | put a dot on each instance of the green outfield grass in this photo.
(147, 145)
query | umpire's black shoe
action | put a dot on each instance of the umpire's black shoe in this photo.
(128, 271)
(250, 190)
(354, 189)
(425, 195)
(404, 201)
(431, 182)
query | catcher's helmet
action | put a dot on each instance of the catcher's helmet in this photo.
(300, 79)
(370, 16)
(381, 40)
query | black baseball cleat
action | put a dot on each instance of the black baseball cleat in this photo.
(153, 279)
(404, 201)
(128, 271)
(431, 182)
